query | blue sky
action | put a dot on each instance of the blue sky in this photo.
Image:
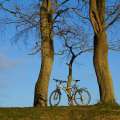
(19, 71)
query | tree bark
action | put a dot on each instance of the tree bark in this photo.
(69, 81)
(100, 60)
(100, 57)
(47, 56)
(69, 76)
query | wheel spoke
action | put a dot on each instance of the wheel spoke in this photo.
(54, 98)
(82, 97)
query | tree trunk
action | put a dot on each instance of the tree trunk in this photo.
(100, 57)
(100, 60)
(69, 81)
(69, 76)
(47, 56)
(70, 71)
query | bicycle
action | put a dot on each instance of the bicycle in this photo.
(80, 96)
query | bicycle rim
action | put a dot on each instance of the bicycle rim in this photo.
(82, 97)
(54, 99)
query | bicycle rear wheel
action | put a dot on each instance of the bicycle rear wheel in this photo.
(54, 98)
(82, 97)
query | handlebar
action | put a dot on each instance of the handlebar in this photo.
(57, 80)
(76, 80)
(61, 81)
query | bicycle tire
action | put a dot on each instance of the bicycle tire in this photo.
(54, 96)
(83, 100)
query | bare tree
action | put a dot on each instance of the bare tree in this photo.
(47, 53)
(100, 58)
(45, 24)
(102, 20)
(76, 43)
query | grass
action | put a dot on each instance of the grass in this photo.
(96, 112)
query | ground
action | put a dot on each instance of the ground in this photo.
(62, 113)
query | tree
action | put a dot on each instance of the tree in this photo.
(45, 23)
(75, 49)
(47, 53)
(100, 57)
(75, 43)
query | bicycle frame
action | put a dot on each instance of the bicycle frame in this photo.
(60, 87)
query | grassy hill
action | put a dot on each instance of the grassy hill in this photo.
(62, 113)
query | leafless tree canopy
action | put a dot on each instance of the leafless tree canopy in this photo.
(26, 19)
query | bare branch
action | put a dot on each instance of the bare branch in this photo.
(114, 16)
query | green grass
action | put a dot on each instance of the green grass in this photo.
(97, 112)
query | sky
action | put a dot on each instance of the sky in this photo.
(19, 71)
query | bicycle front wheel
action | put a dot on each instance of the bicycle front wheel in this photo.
(55, 98)
(82, 97)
